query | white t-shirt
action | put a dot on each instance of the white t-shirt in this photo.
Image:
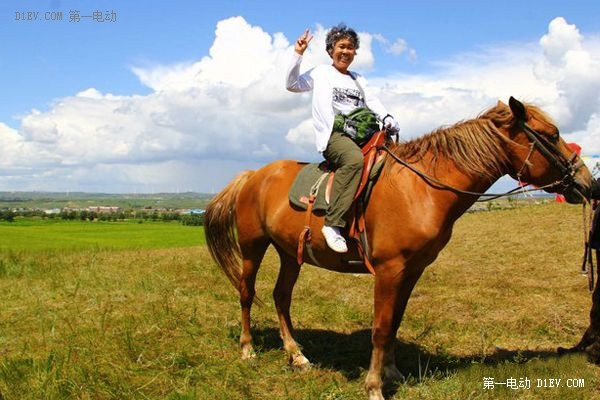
(333, 93)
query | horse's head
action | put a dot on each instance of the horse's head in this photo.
(541, 157)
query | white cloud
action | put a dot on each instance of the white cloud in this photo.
(561, 39)
(589, 137)
(209, 118)
(573, 66)
(397, 48)
(302, 134)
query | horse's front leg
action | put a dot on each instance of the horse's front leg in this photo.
(393, 286)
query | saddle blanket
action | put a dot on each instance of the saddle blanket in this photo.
(306, 179)
(309, 175)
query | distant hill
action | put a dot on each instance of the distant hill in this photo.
(123, 200)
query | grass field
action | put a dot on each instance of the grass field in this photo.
(32, 235)
(141, 312)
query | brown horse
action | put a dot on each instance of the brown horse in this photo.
(409, 218)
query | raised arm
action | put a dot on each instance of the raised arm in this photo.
(294, 81)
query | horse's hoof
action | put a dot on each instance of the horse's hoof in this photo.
(248, 353)
(593, 352)
(391, 373)
(375, 394)
(299, 363)
(567, 350)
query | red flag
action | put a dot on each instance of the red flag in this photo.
(575, 147)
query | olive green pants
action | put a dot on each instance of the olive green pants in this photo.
(346, 158)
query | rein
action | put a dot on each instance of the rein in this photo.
(566, 167)
(587, 266)
(435, 182)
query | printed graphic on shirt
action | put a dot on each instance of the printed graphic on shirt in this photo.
(348, 96)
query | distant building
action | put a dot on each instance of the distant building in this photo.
(104, 209)
(192, 211)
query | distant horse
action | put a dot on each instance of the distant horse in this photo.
(409, 217)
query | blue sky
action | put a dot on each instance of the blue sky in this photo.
(105, 106)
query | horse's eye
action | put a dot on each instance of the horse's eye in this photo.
(554, 137)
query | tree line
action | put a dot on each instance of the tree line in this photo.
(85, 215)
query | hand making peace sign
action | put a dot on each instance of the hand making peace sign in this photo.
(302, 42)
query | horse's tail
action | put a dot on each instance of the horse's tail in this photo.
(220, 227)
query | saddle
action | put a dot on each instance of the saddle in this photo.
(311, 188)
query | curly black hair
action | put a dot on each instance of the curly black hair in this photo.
(340, 31)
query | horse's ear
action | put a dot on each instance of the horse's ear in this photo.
(518, 109)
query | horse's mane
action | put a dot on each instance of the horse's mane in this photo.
(475, 145)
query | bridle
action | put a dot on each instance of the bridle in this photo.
(567, 167)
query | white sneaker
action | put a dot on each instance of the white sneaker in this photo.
(334, 239)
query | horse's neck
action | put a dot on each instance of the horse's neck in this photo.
(453, 201)
(473, 167)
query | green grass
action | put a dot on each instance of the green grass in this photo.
(54, 234)
(162, 322)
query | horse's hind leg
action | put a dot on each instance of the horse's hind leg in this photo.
(288, 274)
(252, 255)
